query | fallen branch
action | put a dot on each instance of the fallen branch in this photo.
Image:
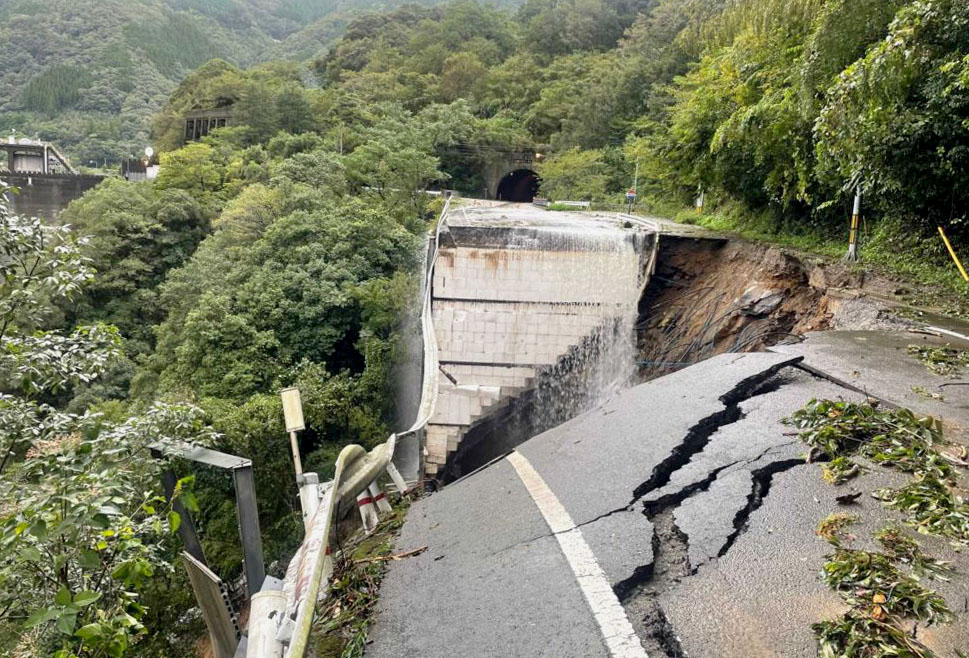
(395, 556)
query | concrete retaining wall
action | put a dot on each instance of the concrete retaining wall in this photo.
(508, 302)
(46, 195)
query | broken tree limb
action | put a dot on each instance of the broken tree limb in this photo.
(395, 556)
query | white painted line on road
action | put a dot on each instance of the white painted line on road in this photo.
(621, 639)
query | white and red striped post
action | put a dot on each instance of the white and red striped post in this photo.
(380, 498)
(368, 513)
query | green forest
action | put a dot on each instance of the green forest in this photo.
(89, 74)
(283, 249)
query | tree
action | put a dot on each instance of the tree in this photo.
(196, 168)
(574, 175)
(81, 529)
(462, 76)
(134, 236)
(897, 116)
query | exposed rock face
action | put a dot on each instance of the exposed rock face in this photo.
(710, 296)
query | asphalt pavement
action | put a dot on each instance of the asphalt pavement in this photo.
(691, 498)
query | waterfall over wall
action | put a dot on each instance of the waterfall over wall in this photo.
(529, 307)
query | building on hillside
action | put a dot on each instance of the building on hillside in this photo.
(135, 169)
(199, 123)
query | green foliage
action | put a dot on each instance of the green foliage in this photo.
(897, 115)
(575, 175)
(861, 576)
(905, 550)
(894, 437)
(883, 599)
(858, 634)
(945, 361)
(81, 527)
(898, 439)
(136, 233)
(932, 506)
(56, 88)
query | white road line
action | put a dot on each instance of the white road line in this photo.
(621, 639)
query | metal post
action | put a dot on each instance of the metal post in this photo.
(853, 235)
(186, 529)
(368, 513)
(396, 477)
(309, 498)
(267, 608)
(952, 252)
(249, 527)
(297, 462)
(379, 497)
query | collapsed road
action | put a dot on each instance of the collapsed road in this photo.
(676, 519)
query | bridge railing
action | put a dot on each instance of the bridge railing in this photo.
(282, 613)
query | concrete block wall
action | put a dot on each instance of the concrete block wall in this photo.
(516, 333)
(534, 275)
(504, 314)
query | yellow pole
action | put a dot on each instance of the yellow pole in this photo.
(952, 252)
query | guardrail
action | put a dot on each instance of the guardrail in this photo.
(281, 615)
(410, 440)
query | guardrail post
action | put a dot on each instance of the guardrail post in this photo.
(309, 497)
(368, 514)
(379, 498)
(266, 608)
(249, 527)
(396, 477)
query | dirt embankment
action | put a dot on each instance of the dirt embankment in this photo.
(713, 296)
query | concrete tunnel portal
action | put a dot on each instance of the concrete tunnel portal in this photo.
(520, 186)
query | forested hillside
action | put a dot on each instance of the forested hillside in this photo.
(282, 250)
(88, 74)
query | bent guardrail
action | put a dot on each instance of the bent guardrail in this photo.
(281, 616)
(410, 439)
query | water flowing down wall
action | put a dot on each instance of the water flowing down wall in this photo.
(517, 292)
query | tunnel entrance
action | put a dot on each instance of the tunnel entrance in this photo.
(520, 186)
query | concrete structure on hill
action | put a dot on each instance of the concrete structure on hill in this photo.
(516, 292)
(199, 123)
(511, 176)
(45, 181)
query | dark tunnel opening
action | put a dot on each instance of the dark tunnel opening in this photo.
(520, 186)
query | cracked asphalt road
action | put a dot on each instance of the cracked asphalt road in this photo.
(694, 499)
